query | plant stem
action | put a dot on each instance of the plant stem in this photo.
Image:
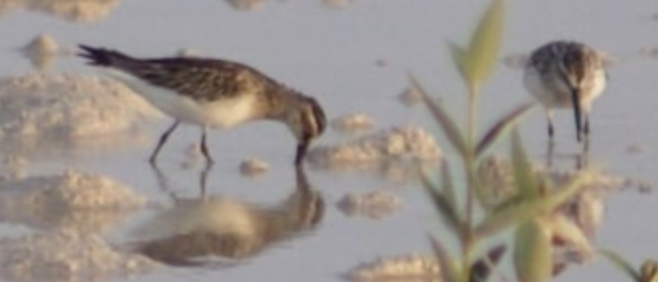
(470, 160)
(472, 118)
(470, 167)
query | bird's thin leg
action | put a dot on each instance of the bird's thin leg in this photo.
(578, 113)
(163, 139)
(204, 147)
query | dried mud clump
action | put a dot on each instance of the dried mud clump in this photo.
(253, 167)
(77, 190)
(13, 167)
(516, 61)
(339, 4)
(74, 10)
(403, 268)
(73, 200)
(585, 209)
(498, 175)
(66, 256)
(42, 50)
(246, 5)
(410, 97)
(649, 52)
(394, 144)
(375, 205)
(352, 123)
(42, 109)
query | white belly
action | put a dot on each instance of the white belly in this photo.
(553, 95)
(222, 113)
(557, 94)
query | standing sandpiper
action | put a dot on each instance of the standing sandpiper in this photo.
(213, 93)
(564, 74)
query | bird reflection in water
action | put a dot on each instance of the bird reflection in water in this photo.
(219, 231)
(581, 159)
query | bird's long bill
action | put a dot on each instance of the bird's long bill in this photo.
(301, 153)
(578, 112)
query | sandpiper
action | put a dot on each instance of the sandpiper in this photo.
(565, 74)
(212, 93)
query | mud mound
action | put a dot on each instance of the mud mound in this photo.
(393, 144)
(66, 256)
(79, 201)
(43, 111)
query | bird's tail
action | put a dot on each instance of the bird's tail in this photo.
(103, 57)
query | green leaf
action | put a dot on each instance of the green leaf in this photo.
(501, 127)
(449, 271)
(560, 195)
(525, 179)
(521, 209)
(475, 183)
(515, 211)
(447, 186)
(483, 48)
(533, 257)
(444, 203)
(458, 55)
(442, 118)
(620, 263)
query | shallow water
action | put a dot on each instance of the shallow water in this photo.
(333, 54)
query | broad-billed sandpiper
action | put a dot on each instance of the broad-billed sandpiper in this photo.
(213, 93)
(565, 74)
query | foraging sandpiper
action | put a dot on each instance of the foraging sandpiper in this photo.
(213, 93)
(565, 74)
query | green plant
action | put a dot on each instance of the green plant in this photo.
(475, 221)
(648, 272)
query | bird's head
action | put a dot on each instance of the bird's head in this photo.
(307, 122)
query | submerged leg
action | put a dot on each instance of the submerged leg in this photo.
(550, 152)
(586, 125)
(163, 139)
(549, 121)
(582, 159)
(301, 153)
(203, 179)
(204, 146)
(586, 131)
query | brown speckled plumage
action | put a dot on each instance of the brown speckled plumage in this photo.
(221, 83)
(566, 74)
